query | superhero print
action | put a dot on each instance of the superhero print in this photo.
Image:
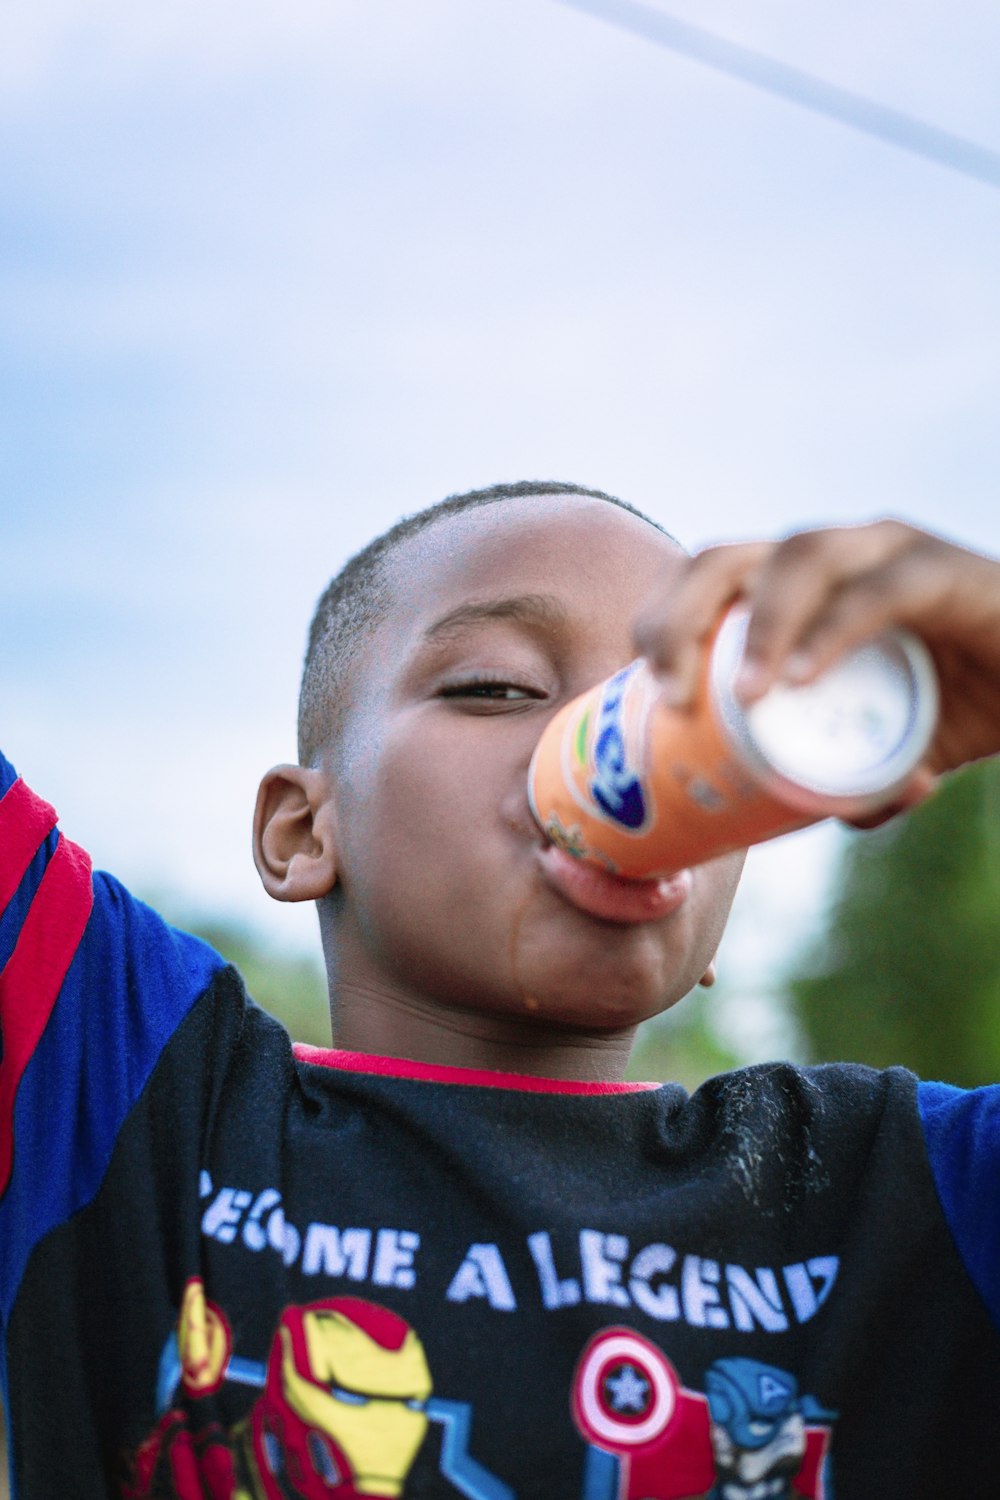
(346, 1402)
(752, 1436)
(346, 1399)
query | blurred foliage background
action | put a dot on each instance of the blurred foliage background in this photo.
(906, 969)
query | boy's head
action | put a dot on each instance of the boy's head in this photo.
(361, 594)
(432, 672)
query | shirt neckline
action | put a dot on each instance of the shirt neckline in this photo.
(404, 1067)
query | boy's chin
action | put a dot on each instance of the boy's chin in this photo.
(593, 1021)
(616, 1002)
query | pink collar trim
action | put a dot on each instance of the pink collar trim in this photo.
(402, 1067)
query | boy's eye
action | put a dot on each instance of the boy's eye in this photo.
(490, 690)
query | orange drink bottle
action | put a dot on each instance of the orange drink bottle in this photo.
(625, 782)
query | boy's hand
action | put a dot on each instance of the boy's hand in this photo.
(818, 593)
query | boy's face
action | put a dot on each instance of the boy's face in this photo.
(500, 615)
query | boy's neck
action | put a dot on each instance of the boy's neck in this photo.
(387, 1025)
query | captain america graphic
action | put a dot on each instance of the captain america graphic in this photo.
(758, 1431)
(751, 1436)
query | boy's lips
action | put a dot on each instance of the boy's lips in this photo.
(612, 897)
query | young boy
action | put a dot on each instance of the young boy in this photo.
(458, 1256)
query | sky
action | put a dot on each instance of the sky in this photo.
(273, 276)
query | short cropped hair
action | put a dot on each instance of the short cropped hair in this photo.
(359, 597)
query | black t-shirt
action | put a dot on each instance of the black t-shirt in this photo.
(231, 1268)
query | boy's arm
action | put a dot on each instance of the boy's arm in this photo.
(962, 1133)
(92, 986)
(816, 594)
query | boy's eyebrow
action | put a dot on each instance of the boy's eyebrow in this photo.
(543, 610)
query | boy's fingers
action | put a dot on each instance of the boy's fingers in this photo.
(863, 607)
(812, 597)
(803, 601)
(676, 620)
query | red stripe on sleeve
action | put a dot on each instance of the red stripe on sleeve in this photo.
(25, 822)
(34, 973)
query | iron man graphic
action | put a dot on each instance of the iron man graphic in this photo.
(342, 1413)
(344, 1406)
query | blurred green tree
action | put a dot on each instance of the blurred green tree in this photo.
(681, 1046)
(908, 969)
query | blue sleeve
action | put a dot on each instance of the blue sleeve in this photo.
(962, 1131)
(92, 987)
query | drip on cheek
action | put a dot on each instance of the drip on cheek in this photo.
(529, 1001)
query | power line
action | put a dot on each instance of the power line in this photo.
(798, 87)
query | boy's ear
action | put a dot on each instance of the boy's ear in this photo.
(294, 834)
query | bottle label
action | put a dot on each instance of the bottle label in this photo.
(615, 785)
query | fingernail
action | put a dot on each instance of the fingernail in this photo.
(798, 667)
(750, 680)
